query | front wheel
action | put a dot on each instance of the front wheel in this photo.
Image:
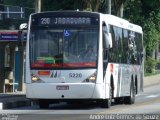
(119, 100)
(106, 103)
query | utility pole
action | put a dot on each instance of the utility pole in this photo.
(37, 6)
(121, 11)
(108, 6)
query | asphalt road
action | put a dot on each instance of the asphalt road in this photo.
(147, 106)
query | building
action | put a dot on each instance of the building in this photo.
(12, 54)
(12, 48)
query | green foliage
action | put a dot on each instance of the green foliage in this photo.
(153, 73)
(151, 35)
(150, 65)
(53, 5)
(146, 13)
(133, 12)
(152, 31)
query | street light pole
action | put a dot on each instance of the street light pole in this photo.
(37, 6)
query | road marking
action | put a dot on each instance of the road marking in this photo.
(152, 96)
(130, 107)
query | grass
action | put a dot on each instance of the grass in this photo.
(153, 73)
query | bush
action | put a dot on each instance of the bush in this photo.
(150, 65)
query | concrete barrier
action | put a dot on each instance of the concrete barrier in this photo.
(151, 80)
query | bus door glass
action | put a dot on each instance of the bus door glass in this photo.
(105, 48)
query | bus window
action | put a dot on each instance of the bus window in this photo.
(72, 48)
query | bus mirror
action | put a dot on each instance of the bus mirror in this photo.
(23, 26)
(108, 40)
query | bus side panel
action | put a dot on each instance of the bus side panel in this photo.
(139, 78)
(113, 77)
(125, 80)
(120, 76)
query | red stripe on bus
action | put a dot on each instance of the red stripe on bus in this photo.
(111, 68)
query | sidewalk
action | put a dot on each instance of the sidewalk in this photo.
(13, 100)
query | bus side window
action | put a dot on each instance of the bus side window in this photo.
(132, 47)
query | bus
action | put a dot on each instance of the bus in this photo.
(77, 56)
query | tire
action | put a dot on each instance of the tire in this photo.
(43, 104)
(119, 100)
(130, 99)
(106, 103)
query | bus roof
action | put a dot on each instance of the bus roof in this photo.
(119, 22)
(110, 19)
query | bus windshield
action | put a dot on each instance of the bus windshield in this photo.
(63, 48)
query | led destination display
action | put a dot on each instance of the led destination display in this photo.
(65, 21)
(71, 21)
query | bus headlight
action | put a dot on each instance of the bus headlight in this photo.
(35, 78)
(91, 79)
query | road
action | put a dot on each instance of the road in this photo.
(147, 102)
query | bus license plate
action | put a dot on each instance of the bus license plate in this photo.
(62, 87)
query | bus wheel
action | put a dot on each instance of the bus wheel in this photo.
(106, 103)
(130, 99)
(119, 100)
(43, 104)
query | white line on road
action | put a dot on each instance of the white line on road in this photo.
(152, 96)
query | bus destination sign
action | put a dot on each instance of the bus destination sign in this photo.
(64, 21)
(72, 21)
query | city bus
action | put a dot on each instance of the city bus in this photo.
(77, 56)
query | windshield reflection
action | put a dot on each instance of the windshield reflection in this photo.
(64, 48)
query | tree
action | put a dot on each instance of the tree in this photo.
(146, 13)
(89, 5)
(118, 6)
(94, 5)
(58, 5)
(109, 4)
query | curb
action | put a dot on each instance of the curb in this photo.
(14, 104)
(9, 101)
